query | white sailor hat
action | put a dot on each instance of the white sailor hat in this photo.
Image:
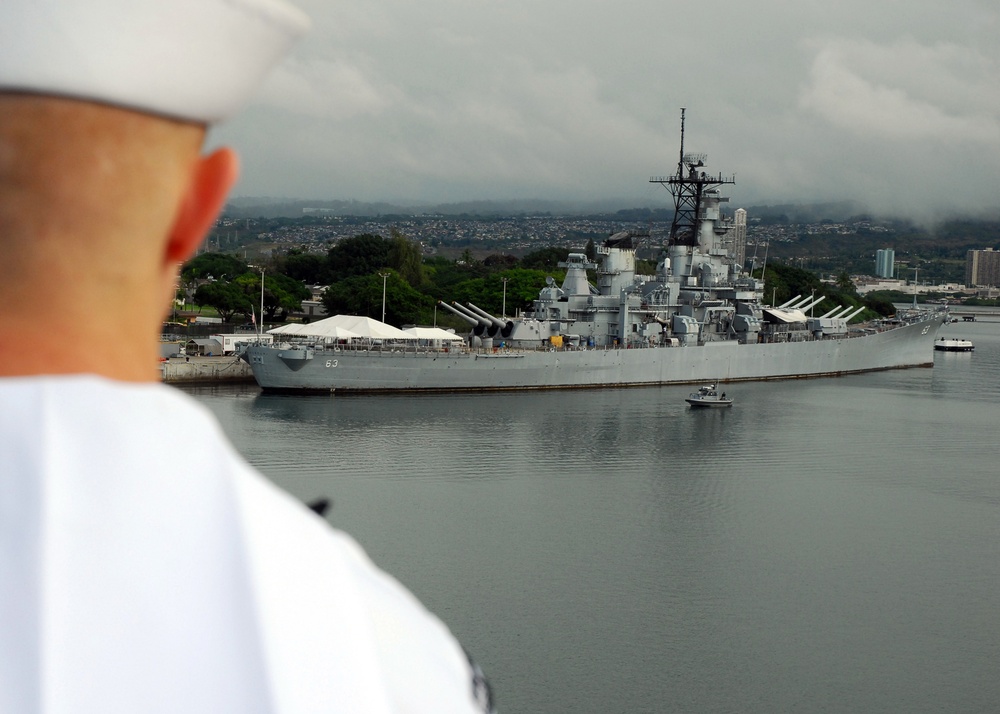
(196, 60)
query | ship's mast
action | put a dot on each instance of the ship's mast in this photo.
(688, 187)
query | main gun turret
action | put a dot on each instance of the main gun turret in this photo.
(504, 327)
(479, 325)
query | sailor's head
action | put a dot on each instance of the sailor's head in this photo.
(104, 105)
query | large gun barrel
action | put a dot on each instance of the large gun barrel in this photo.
(505, 328)
(812, 304)
(828, 314)
(486, 326)
(788, 304)
(855, 313)
(478, 326)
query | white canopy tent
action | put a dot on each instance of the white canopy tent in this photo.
(345, 327)
(368, 327)
(433, 333)
(292, 328)
(316, 329)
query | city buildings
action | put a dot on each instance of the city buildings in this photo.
(982, 268)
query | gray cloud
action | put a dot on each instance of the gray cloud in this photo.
(893, 104)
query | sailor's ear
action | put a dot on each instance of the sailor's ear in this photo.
(212, 178)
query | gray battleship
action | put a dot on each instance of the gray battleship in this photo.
(699, 318)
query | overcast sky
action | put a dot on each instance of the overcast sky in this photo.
(895, 103)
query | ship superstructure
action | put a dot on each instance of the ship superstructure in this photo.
(699, 293)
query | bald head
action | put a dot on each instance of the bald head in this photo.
(74, 172)
(98, 205)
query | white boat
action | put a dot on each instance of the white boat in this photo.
(708, 397)
(953, 344)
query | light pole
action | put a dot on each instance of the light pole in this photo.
(384, 277)
(505, 297)
(262, 302)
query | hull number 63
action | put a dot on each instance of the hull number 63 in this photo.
(331, 363)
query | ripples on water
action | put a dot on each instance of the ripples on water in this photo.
(825, 544)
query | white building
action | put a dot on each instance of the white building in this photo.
(233, 342)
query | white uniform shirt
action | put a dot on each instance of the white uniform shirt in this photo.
(132, 580)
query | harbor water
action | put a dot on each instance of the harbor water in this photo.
(823, 545)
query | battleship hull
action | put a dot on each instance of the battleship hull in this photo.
(302, 369)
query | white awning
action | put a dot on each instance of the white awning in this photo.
(320, 328)
(433, 333)
(345, 327)
(368, 327)
(774, 314)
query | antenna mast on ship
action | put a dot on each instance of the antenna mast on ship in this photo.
(688, 187)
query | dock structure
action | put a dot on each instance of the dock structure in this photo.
(205, 370)
(973, 316)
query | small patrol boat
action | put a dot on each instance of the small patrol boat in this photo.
(953, 344)
(708, 396)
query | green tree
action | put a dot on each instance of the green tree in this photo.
(880, 305)
(307, 267)
(500, 261)
(214, 265)
(488, 292)
(545, 258)
(443, 275)
(783, 282)
(228, 298)
(355, 295)
(362, 295)
(406, 258)
(363, 254)
(282, 294)
(288, 292)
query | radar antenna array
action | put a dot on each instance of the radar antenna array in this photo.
(694, 160)
(688, 186)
